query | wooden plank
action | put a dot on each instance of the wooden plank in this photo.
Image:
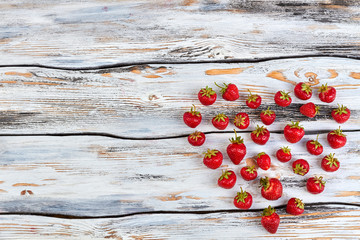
(94, 176)
(154, 97)
(322, 222)
(93, 33)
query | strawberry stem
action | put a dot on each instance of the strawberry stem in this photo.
(237, 139)
(268, 211)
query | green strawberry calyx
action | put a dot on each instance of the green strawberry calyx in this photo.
(225, 175)
(317, 108)
(320, 181)
(323, 88)
(241, 196)
(285, 95)
(194, 112)
(207, 91)
(299, 169)
(195, 135)
(316, 142)
(265, 183)
(250, 169)
(237, 139)
(286, 149)
(295, 125)
(268, 211)
(261, 154)
(332, 160)
(239, 120)
(220, 117)
(341, 110)
(306, 88)
(252, 97)
(211, 153)
(268, 112)
(337, 132)
(259, 130)
(223, 89)
(299, 203)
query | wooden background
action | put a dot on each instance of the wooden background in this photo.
(92, 143)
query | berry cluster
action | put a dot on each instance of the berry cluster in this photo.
(271, 189)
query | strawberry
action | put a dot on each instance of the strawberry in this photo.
(314, 147)
(282, 99)
(241, 120)
(301, 167)
(220, 121)
(283, 154)
(270, 220)
(248, 173)
(213, 158)
(192, 118)
(253, 101)
(207, 96)
(243, 200)
(315, 185)
(267, 116)
(327, 93)
(196, 138)
(303, 91)
(263, 161)
(309, 109)
(227, 179)
(336, 138)
(229, 92)
(261, 135)
(341, 114)
(271, 188)
(236, 150)
(293, 132)
(329, 163)
(295, 206)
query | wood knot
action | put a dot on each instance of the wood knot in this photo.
(153, 97)
(25, 192)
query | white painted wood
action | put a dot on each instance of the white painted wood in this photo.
(92, 33)
(95, 176)
(149, 101)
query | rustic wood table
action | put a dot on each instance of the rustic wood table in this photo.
(92, 93)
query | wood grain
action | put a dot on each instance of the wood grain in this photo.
(96, 32)
(37, 100)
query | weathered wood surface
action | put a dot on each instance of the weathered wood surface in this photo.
(149, 100)
(92, 33)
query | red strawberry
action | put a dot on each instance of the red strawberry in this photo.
(267, 116)
(248, 173)
(284, 154)
(196, 138)
(241, 120)
(192, 118)
(263, 161)
(227, 179)
(243, 200)
(309, 109)
(336, 138)
(327, 94)
(301, 167)
(253, 101)
(282, 99)
(303, 91)
(220, 121)
(270, 220)
(329, 163)
(315, 185)
(295, 206)
(261, 135)
(293, 132)
(341, 114)
(213, 158)
(230, 92)
(207, 96)
(271, 188)
(236, 150)
(314, 147)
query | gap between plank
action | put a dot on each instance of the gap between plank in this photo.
(69, 216)
(245, 60)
